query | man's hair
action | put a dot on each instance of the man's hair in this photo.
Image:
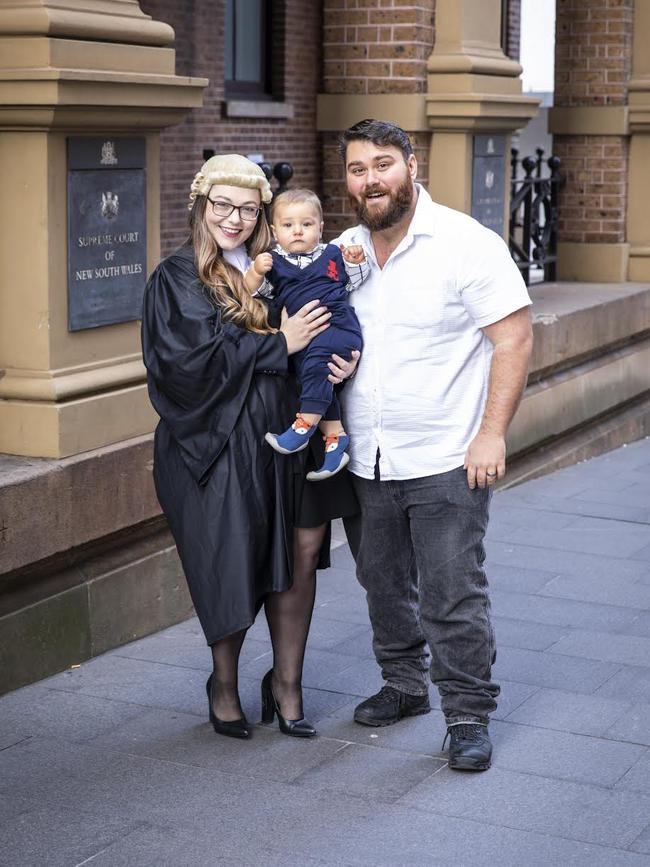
(292, 197)
(379, 132)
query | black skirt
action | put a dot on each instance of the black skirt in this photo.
(320, 502)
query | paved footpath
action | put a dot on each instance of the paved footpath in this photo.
(114, 763)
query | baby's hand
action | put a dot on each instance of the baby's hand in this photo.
(353, 254)
(263, 264)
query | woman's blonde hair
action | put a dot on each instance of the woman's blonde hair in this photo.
(225, 282)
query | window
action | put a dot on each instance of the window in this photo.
(248, 49)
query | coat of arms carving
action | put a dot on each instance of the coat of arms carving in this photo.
(109, 155)
(110, 205)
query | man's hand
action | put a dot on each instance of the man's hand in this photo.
(263, 264)
(485, 460)
(512, 338)
(353, 254)
(342, 369)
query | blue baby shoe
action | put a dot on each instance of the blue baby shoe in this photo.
(294, 439)
(335, 458)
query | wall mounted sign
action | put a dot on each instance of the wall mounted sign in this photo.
(488, 181)
(107, 220)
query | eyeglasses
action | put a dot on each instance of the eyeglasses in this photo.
(225, 209)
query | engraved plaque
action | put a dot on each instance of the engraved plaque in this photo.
(488, 181)
(107, 218)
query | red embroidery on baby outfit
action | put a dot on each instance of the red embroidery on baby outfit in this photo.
(332, 273)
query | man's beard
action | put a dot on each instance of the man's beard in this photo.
(398, 205)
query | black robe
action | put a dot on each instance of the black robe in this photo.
(230, 500)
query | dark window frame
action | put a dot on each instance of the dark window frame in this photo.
(263, 88)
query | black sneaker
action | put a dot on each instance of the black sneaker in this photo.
(470, 747)
(388, 706)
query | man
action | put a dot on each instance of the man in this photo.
(447, 341)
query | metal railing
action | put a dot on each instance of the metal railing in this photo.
(533, 215)
(282, 172)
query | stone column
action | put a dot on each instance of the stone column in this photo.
(590, 127)
(100, 69)
(473, 103)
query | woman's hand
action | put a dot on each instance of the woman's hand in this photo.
(342, 369)
(304, 325)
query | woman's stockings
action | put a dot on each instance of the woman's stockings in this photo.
(225, 660)
(289, 615)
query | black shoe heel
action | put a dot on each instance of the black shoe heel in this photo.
(297, 728)
(268, 703)
(237, 728)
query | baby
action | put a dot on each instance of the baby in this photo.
(300, 269)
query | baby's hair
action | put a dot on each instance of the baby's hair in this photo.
(292, 197)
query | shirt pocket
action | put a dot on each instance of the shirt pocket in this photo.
(427, 304)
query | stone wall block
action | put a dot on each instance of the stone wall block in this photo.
(48, 507)
(44, 638)
(143, 596)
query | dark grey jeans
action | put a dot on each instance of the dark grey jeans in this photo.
(418, 546)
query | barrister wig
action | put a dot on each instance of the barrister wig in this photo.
(232, 170)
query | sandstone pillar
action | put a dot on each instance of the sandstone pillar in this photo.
(99, 70)
(473, 104)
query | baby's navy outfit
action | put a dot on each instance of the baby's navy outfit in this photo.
(325, 278)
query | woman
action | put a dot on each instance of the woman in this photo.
(248, 531)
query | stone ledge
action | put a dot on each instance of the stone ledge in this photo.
(249, 108)
(337, 111)
(575, 321)
(125, 22)
(48, 506)
(609, 431)
(573, 397)
(113, 601)
(588, 120)
(593, 262)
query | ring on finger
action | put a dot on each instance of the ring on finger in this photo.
(490, 475)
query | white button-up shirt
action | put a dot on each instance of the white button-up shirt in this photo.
(420, 389)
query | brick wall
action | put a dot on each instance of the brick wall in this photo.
(373, 47)
(199, 27)
(593, 62)
(593, 51)
(592, 203)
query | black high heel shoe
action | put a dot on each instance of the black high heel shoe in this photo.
(297, 728)
(237, 728)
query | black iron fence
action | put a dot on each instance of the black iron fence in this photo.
(282, 172)
(533, 214)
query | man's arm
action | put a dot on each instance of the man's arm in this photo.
(512, 337)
